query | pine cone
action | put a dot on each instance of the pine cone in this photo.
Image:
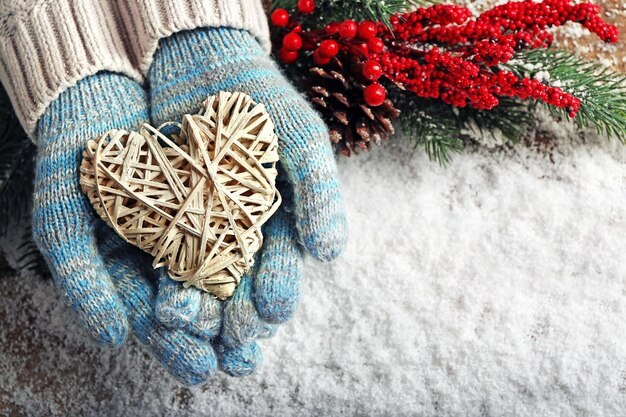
(353, 124)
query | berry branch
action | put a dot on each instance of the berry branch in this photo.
(354, 71)
(333, 10)
(602, 92)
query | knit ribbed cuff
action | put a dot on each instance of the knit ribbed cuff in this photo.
(48, 46)
(148, 21)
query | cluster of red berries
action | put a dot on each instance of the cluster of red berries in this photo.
(358, 39)
(449, 24)
(533, 17)
(463, 73)
(439, 52)
(461, 83)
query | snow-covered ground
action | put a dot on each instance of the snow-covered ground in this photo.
(493, 287)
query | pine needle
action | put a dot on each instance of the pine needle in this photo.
(602, 92)
(510, 117)
(5, 268)
(434, 126)
(31, 258)
(335, 10)
(16, 165)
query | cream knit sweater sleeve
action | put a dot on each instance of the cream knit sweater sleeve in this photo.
(47, 46)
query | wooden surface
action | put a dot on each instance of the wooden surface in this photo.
(591, 47)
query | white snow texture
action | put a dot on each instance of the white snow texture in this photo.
(492, 287)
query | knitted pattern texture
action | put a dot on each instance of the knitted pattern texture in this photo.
(107, 281)
(47, 46)
(189, 66)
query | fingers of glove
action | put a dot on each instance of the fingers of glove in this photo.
(176, 306)
(240, 321)
(63, 219)
(242, 360)
(277, 283)
(319, 208)
(186, 357)
(209, 318)
(197, 311)
(267, 330)
(190, 65)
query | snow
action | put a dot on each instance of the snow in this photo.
(543, 76)
(492, 287)
(491, 139)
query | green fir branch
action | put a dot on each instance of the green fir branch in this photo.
(16, 166)
(602, 91)
(510, 117)
(432, 125)
(5, 268)
(336, 10)
(31, 258)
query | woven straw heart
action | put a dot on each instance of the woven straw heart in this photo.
(195, 201)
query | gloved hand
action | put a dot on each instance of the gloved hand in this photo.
(110, 283)
(189, 66)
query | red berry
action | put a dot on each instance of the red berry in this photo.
(328, 48)
(362, 48)
(320, 59)
(280, 17)
(376, 45)
(332, 28)
(287, 56)
(308, 43)
(367, 29)
(372, 70)
(374, 94)
(306, 6)
(292, 41)
(348, 29)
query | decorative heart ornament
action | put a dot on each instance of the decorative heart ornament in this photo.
(195, 201)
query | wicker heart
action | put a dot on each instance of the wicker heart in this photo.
(195, 201)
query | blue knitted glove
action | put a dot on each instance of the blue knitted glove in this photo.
(108, 282)
(191, 65)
